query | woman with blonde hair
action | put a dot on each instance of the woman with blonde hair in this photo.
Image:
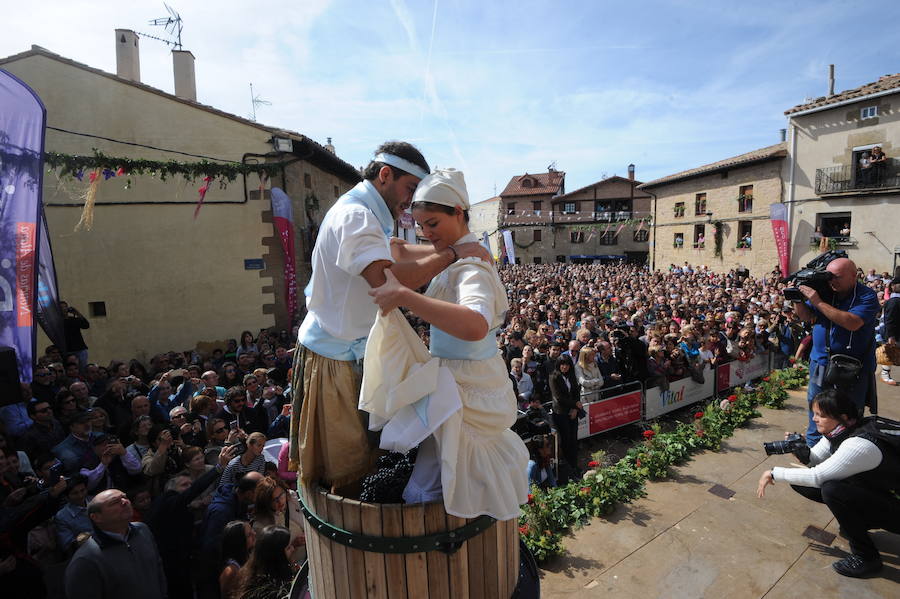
(587, 372)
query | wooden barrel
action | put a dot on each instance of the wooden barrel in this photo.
(485, 566)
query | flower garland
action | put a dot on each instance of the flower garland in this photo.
(718, 233)
(71, 165)
(550, 513)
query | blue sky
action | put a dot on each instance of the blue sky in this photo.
(501, 88)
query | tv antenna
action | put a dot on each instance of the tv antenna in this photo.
(255, 101)
(172, 24)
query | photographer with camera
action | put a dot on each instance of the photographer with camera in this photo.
(854, 470)
(843, 350)
(73, 324)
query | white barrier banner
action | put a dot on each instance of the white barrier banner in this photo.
(737, 373)
(680, 393)
(510, 249)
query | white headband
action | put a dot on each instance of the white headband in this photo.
(402, 164)
(445, 186)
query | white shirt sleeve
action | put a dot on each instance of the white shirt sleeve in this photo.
(474, 290)
(820, 452)
(854, 455)
(360, 241)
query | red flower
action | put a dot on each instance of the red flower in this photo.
(593, 464)
(120, 171)
(585, 490)
(523, 530)
(637, 462)
(698, 415)
(792, 360)
(649, 434)
(732, 398)
(530, 499)
(701, 434)
(766, 379)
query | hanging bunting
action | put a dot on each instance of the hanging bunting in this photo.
(202, 191)
(87, 213)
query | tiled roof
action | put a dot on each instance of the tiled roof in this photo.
(600, 182)
(320, 155)
(534, 184)
(885, 83)
(760, 155)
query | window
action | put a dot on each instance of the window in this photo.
(699, 236)
(536, 260)
(745, 234)
(642, 236)
(97, 309)
(510, 208)
(745, 198)
(536, 206)
(570, 207)
(679, 209)
(561, 258)
(678, 241)
(576, 236)
(537, 235)
(608, 238)
(307, 180)
(869, 112)
(700, 204)
(833, 225)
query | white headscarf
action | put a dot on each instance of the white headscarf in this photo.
(445, 186)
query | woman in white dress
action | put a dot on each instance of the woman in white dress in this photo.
(473, 461)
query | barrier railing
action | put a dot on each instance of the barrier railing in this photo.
(629, 403)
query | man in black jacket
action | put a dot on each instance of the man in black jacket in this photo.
(172, 523)
(73, 323)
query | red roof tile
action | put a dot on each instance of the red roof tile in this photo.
(885, 83)
(760, 155)
(535, 184)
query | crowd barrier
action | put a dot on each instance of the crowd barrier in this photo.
(618, 406)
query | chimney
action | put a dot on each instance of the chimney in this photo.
(783, 134)
(185, 81)
(128, 63)
(329, 146)
(631, 172)
(830, 80)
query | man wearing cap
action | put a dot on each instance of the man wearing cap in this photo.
(352, 251)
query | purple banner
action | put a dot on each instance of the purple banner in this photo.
(22, 121)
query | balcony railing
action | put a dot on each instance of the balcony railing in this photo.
(840, 179)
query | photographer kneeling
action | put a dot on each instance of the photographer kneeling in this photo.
(843, 338)
(855, 471)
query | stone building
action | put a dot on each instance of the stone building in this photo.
(525, 207)
(601, 222)
(484, 218)
(148, 275)
(829, 192)
(718, 214)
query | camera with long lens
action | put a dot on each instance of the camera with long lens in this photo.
(792, 442)
(813, 275)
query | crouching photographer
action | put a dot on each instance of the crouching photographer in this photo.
(843, 314)
(854, 469)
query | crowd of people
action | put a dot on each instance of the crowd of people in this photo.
(166, 460)
(168, 457)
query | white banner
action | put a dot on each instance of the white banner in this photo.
(737, 373)
(680, 393)
(510, 248)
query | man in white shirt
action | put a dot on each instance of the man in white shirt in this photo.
(353, 248)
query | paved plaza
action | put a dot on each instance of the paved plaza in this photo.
(681, 540)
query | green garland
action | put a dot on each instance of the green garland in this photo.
(551, 512)
(76, 166)
(718, 231)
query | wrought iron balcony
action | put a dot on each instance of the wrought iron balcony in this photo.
(841, 179)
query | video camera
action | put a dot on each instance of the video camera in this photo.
(813, 275)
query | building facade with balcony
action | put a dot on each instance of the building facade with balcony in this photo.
(834, 188)
(600, 222)
(718, 214)
(526, 211)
